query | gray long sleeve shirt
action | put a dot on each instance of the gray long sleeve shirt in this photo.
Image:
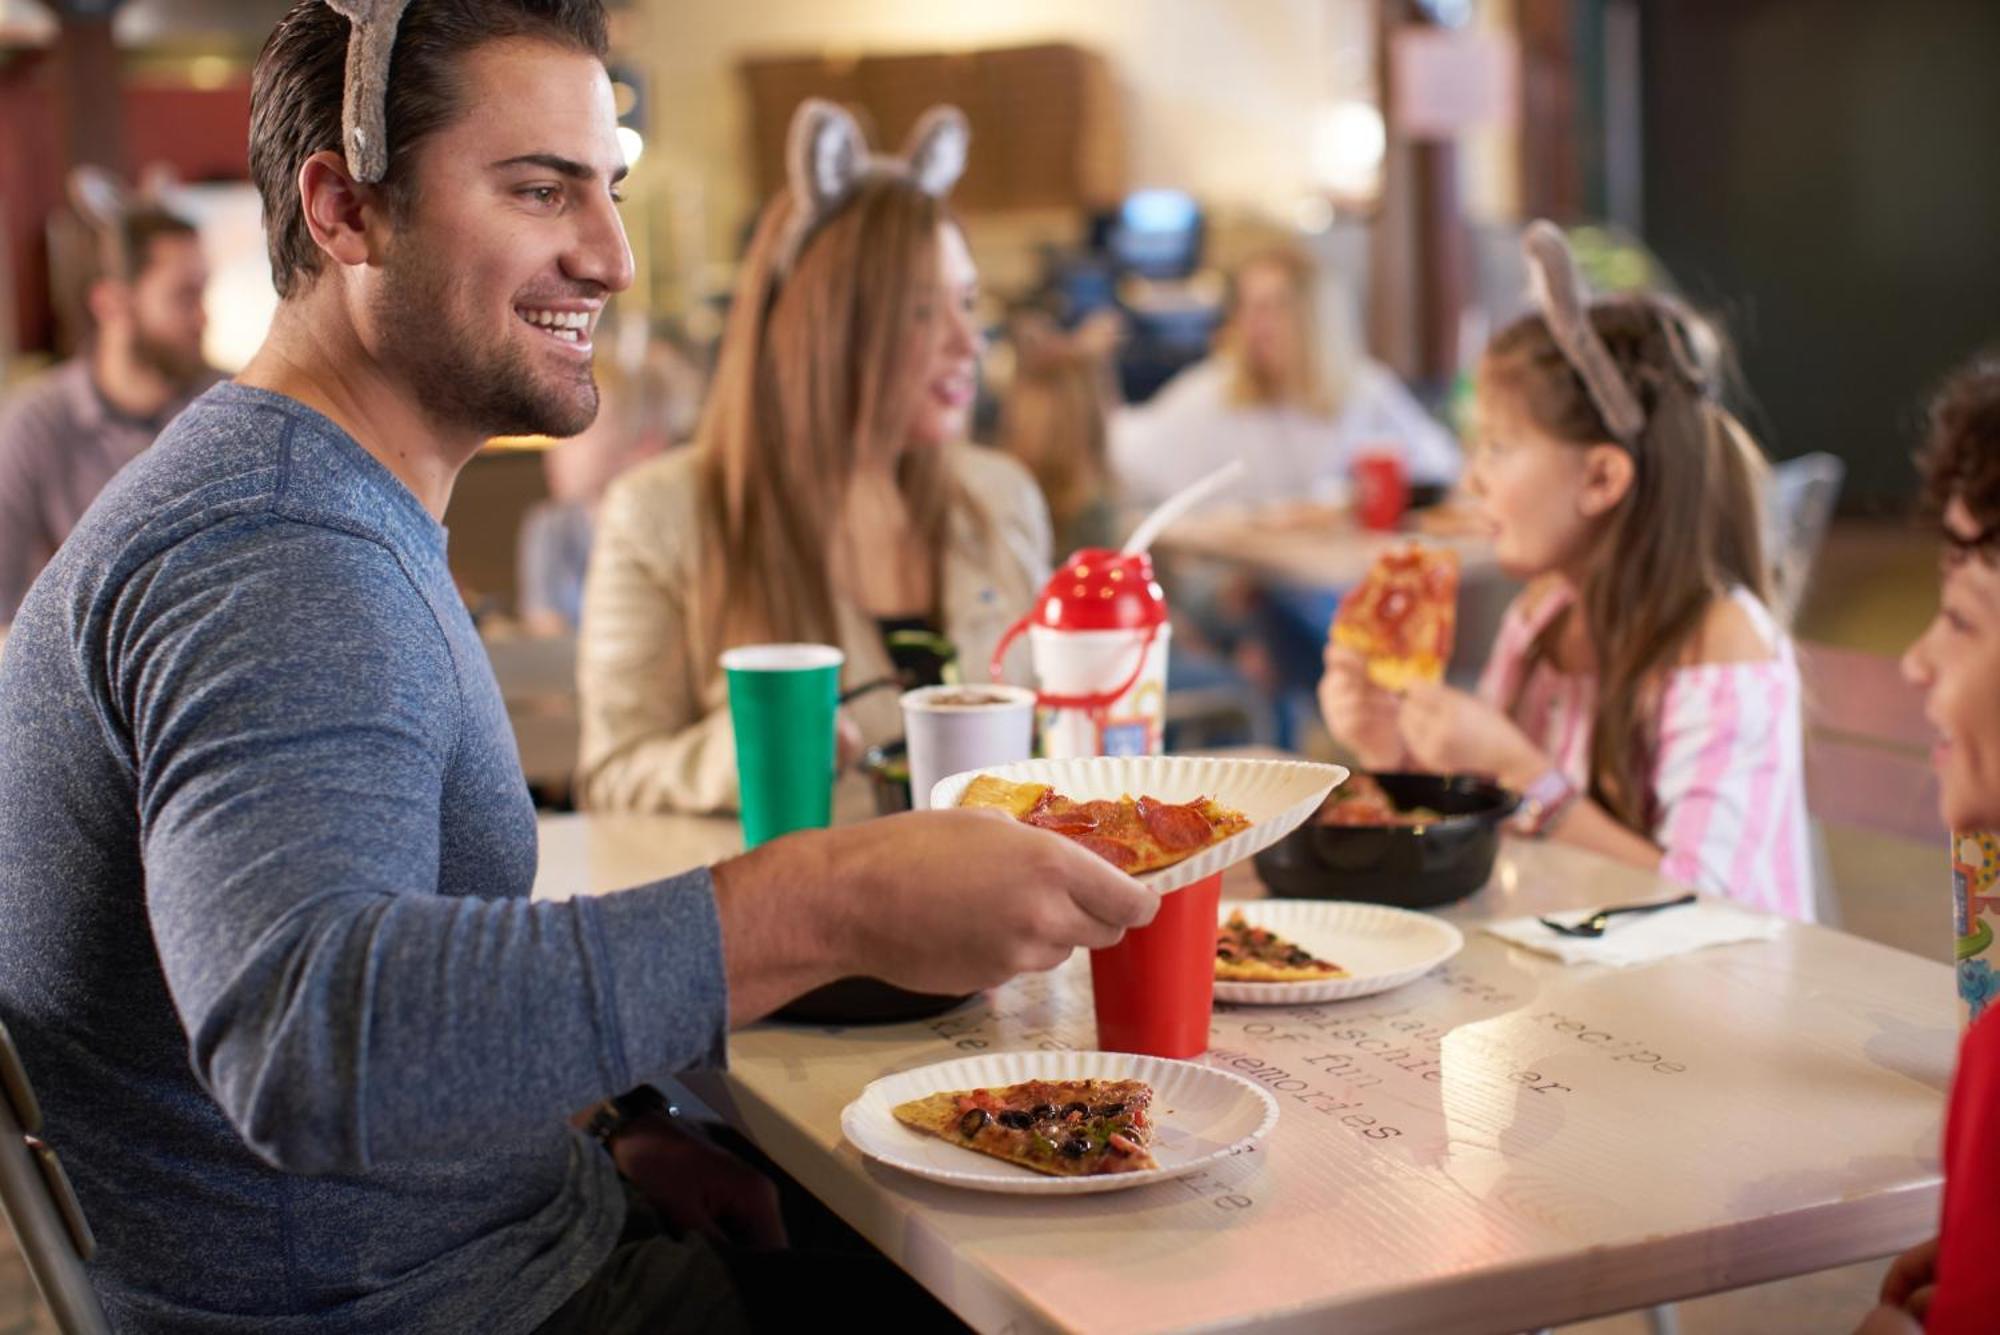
(60, 442)
(304, 1044)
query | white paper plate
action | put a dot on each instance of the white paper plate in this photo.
(1277, 796)
(1380, 948)
(1200, 1116)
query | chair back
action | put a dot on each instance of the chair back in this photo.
(41, 1206)
(1802, 496)
(1867, 745)
(537, 677)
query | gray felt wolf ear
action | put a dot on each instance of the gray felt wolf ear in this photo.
(937, 149)
(1564, 300)
(98, 196)
(826, 156)
(102, 201)
(364, 133)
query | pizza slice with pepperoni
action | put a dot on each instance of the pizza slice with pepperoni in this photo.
(1134, 835)
(1402, 616)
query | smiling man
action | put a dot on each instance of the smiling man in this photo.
(306, 1047)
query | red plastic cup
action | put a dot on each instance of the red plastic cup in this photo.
(1155, 990)
(1382, 490)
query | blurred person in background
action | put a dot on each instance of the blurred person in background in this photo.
(66, 435)
(830, 495)
(1296, 403)
(1281, 394)
(635, 421)
(1055, 420)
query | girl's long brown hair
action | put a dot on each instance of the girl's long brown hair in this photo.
(818, 374)
(1689, 531)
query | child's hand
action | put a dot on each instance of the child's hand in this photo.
(1450, 732)
(1911, 1278)
(1360, 715)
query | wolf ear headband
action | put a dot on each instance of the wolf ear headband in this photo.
(1564, 301)
(827, 159)
(104, 202)
(364, 131)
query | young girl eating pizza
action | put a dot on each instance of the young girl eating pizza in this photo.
(1640, 695)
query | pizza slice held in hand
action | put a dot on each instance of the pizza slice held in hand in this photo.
(1065, 1128)
(1135, 836)
(1402, 617)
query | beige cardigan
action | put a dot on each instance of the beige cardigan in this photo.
(656, 732)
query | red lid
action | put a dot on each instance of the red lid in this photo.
(1102, 590)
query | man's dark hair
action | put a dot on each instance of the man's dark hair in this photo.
(138, 229)
(1961, 458)
(295, 96)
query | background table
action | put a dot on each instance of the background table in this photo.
(1319, 549)
(1322, 549)
(1507, 1144)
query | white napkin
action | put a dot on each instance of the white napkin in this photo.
(1641, 938)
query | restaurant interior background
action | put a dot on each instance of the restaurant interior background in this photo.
(1818, 172)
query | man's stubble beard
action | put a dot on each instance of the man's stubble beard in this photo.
(460, 379)
(170, 359)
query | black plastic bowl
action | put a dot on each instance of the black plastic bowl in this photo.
(861, 1000)
(888, 769)
(1408, 866)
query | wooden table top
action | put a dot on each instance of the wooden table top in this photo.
(1317, 549)
(1506, 1144)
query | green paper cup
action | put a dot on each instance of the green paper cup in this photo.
(782, 699)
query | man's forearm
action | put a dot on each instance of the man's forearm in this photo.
(785, 927)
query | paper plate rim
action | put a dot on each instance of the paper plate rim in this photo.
(1451, 944)
(1210, 861)
(1025, 1182)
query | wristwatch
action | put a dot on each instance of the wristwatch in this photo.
(1543, 803)
(614, 1115)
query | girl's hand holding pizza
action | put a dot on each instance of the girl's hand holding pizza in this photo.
(1360, 715)
(1450, 732)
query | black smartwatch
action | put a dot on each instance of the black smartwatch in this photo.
(614, 1115)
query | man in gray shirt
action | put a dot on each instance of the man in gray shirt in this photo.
(304, 1043)
(63, 437)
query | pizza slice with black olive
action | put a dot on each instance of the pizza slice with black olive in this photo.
(1248, 954)
(1065, 1128)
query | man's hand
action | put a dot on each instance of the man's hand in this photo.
(696, 1187)
(934, 901)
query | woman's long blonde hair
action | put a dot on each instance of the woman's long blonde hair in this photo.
(1688, 531)
(815, 379)
(1308, 385)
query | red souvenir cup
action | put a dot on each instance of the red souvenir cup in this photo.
(1381, 489)
(1155, 989)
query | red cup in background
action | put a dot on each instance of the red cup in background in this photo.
(1381, 489)
(1155, 990)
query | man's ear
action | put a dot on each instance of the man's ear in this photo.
(346, 218)
(1608, 475)
(109, 302)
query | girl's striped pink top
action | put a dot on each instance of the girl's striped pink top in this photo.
(1729, 768)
